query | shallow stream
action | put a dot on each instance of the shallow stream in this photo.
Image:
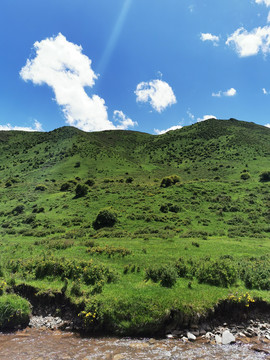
(33, 344)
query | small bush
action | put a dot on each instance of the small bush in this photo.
(77, 165)
(169, 180)
(218, 273)
(65, 187)
(90, 182)
(264, 176)
(105, 218)
(167, 275)
(41, 187)
(81, 190)
(245, 176)
(19, 209)
(129, 180)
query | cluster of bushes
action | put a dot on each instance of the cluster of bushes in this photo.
(166, 275)
(89, 272)
(169, 207)
(169, 180)
(255, 273)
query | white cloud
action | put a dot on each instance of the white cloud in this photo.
(250, 43)
(206, 117)
(37, 127)
(157, 92)
(123, 120)
(209, 37)
(175, 127)
(266, 2)
(61, 65)
(265, 91)
(267, 125)
(229, 92)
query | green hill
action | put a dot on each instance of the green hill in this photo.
(186, 246)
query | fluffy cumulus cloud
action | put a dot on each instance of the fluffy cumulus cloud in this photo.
(250, 43)
(61, 65)
(267, 125)
(209, 37)
(157, 92)
(37, 127)
(123, 121)
(229, 92)
(160, 132)
(206, 117)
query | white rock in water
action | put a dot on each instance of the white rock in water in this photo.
(218, 339)
(227, 337)
(191, 337)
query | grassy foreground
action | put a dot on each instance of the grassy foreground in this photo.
(183, 243)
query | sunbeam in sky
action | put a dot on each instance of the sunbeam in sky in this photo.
(114, 37)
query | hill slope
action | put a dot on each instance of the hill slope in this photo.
(214, 221)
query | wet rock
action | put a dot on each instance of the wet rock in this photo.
(227, 337)
(190, 336)
(259, 349)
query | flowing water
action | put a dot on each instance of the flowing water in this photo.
(33, 344)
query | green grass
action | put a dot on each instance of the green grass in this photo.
(211, 213)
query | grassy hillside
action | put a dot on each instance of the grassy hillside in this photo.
(186, 246)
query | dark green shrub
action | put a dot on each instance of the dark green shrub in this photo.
(245, 176)
(167, 275)
(129, 180)
(65, 187)
(19, 209)
(29, 219)
(77, 165)
(264, 176)
(256, 273)
(105, 218)
(169, 180)
(8, 183)
(41, 187)
(218, 273)
(81, 190)
(90, 182)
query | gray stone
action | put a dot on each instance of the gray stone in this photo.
(227, 338)
(218, 339)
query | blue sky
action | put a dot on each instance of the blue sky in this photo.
(145, 65)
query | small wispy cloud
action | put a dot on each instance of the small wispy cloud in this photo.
(157, 93)
(265, 2)
(37, 127)
(160, 132)
(190, 115)
(265, 92)
(229, 92)
(267, 125)
(206, 117)
(61, 65)
(210, 37)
